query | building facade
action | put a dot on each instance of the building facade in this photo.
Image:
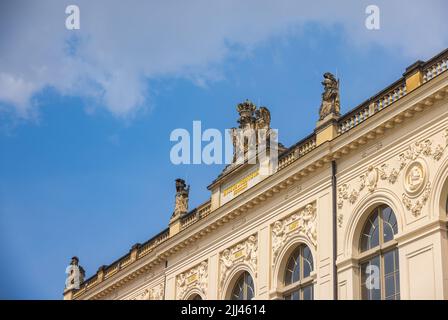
(356, 210)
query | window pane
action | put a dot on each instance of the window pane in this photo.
(390, 227)
(307, 262)
(249, 287)
(308, 293)
(370, 234)
(293, 295)
(292, 273)
(370, 279)
(392, 275)
(244, 288)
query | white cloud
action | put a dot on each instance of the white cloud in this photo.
(122, 44)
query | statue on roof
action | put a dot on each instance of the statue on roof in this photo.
(254, 124)
(75, 275)
(263, 117)
(181, 199)
(330, 97)
(246, 111)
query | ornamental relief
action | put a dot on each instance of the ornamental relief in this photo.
(411, 161)
(245, 252)
(156, 293)
(196, 277)
(302, 222)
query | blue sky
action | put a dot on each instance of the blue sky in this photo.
(85, 116)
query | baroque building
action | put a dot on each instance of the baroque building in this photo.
(356, 210)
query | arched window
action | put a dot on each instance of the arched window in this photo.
(243, 288)
(380, 273)
(298, 283)
(195, 297)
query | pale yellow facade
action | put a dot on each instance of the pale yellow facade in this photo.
(390, 151)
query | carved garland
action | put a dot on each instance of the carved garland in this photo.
(369, 180)
(156, 293)
(302, 222)
(196, 277)
(245, 252)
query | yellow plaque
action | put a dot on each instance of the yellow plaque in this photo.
(293, 225)
(192, 278)
(238, 254)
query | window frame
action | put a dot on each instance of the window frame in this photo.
(379, 251)
(244, 276)
(303, 282)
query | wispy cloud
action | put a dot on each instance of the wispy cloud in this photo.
(123, 44)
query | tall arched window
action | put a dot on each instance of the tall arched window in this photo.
(298, 283)
(244, 288)
(195, 297)
(380, 273)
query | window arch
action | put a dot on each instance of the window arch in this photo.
(297, 281)
(243, 288)
(195, 297)
(380, 273)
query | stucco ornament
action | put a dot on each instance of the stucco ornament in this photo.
(143, 295)
(245, 252)
(416, 206)
(196, 277)
(370, 179)
(344, 193)
(302, 222)
(415, 176)
(156, 293)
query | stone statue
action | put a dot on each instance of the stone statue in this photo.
(246, 111)
(75, 275)
(263, 117)
(181, 202)
(253, 124)
(330, 97)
